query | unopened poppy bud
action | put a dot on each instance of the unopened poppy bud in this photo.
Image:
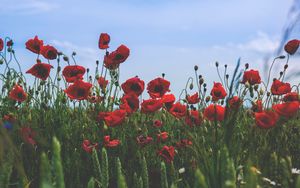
(217, 64)
(227, 76)
(97, 76)
(280, 73)
(256, 87)
(195, 67)
(65, 58)
(105, 127)
(90, 77)
(36, 92)
(59, 53)
(191, 86)
(87, 70)
(222, 102)
(286, 66)
(43, 82)
(201, 81)
(207, 99)
(281, 57)
(74, 53)
(181, 170)
(116, 83)
(246, 65)
(261, 91)
(247, 85)
(1, 61)
(9, 49)
(268, 93)
(97, 62)
(204, 85)
(58, 78)
(107, 53)
(58, 68)
(163, 75)
(200, 76)
(225, 65)
(204, 89)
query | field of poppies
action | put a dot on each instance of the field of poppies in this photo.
(63, 126)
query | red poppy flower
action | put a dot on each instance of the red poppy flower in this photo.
(9, 43)
(133, 85)
(280, 88)
(193, 118)
(104, 40)
(101, 116)
(162, 136)
(34, 45)
(49, 52)
(252, 77)
(28, 135)
(130, 103)
(266, 119)
(73, 73)
(167, 153)
(102, 82)
(151, 105)
(158, 87)
(157, 123)
(184, 143)
(40, 70)
(292, 46)
(168, 100)
(143, 140)
(107, 142)
(257, 107)
(293, 96)
(235, 102)
(115, 58)
(114, 118)
(214, 112)
(218, 92)
(178, 110)
(287, 109)
(88, 146)
(17, 93)
(193, 99)
(79, 90)
(1, 44)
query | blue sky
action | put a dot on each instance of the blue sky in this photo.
(169, 36)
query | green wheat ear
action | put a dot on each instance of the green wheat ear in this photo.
(104, 168)
(163, 173)
(228, 172)
(199, 180)
(6, 170)
(121, 178)
(45, 172)
(58, 168)
(91, 183)
(96, 166)
(145, 175)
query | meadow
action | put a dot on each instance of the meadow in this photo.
(74, 128)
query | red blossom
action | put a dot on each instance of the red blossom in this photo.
(79, 90)
(193, 118)
(218, 92)
(257, 107)
(49, 52)
(293, 96)
(144, 140)
(73, 73)
(88, 146)
(133, 85)
(28, 135)
(115, 58)
(157, 123)
(252, 77)
(193, 99)
(40, 70)
(129, 103)
(1, 44)
(34, 45)
(104, 40)
(178, 110)
(151, 105)
(17, 93)
(280, 88)
(266, 119)
(114, 118)
(183, 143)
(158, 87)
(107, 142)
(162, 136)
(292, 46)
(168, 100)
(102, 82)
(287, 109)
(214, 112)
(167, 153)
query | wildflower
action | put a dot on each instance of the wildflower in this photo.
(79, 90)
(17, 93)
(157, 123)
(88, 146)
(168, 100)
(40, 70)
(34, 45)
(49, 52)
(287, 109)
(130, 103)
(133, 85)
(193, 99)
(167, 153)
(104, 40)
(178, 110)
(184, 143)
(107, 142)
(292, 96)
(280, 88)
(102, 82)
(257, 107)
(158, 87)
(214, 112)
(115, 58)
(193, 118)
(252, 77)
(1, 44)
(266, 119)
(28, 135)
(73, 73)
(292, 46)
(162, 136)
(143, 140)
(114, 118)
(234, 102)
(218, 92)
(151, 105)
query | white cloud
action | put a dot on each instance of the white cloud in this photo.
(26, 6)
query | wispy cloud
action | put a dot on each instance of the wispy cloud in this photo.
(26, 7)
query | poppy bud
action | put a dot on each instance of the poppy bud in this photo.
(261, 91)
(286, 66)
(195, 67)
(107, 53)
(200, 76)
(58, 68)
(207, 99)
(281, 73)
(256, 87)
(268, 93)
(204, 85)
(217, 64)
(1, 61)
(204, 89)
(222, 102)
(87, 70)
(36, 92)
(65, 58)
(227, 76)
(58, 78)
(116, 83)
(74, 53)
(59, 53)
(246, 65)
(225, 65)
(201, 81)
(247, 85)
(163, 75)
(9, 49)
(191, 86)
(281, 57)
(97, 62)
(97, 76)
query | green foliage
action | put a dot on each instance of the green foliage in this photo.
(199, 180)
(96, 167)
(57, 164)
(163, 177)
(104, 169)
(121, 179)
(145, 176)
